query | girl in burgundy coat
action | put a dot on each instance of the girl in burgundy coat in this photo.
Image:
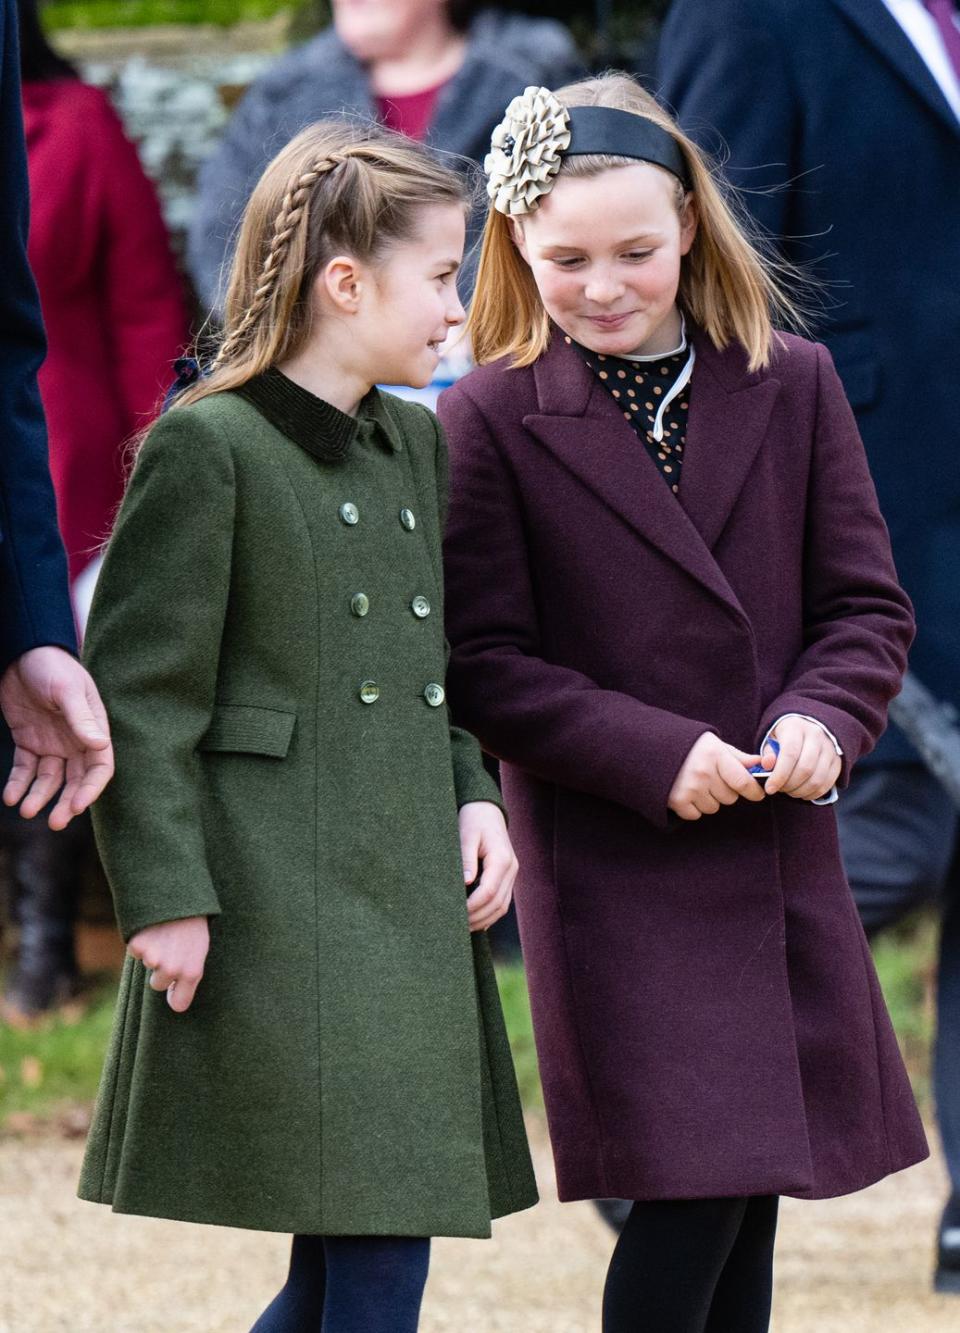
(664, 551)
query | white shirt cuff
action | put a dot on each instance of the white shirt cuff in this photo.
(832, 794)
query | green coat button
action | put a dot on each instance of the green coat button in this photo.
(407, 519)
(350, 514)
(434, 695)
(359, 603)
(420, 607)
(369, 692)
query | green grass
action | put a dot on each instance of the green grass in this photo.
(516, 1011)
(58, 1064)
(73, 14)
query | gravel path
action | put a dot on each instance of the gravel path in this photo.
(855, 1265)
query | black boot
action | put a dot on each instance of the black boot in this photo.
(44, 868)
(947, 1277)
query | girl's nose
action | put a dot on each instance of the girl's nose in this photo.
(456, 314)
(603, 288)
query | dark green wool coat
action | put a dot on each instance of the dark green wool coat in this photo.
(268, 638)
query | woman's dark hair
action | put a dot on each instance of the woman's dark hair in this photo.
(38, 60)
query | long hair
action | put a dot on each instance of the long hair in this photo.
(728, 285)
(337, 188)
(38, 60)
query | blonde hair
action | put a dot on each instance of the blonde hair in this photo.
(337, 188)
(728, 286)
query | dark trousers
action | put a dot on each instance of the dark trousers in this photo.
(350, 1284)
(898, 835)
(693, 1266)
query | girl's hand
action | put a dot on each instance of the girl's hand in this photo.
(713, 774)
(483, 837)
(174, 952)
(808, 764)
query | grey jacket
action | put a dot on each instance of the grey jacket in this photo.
(322, 78)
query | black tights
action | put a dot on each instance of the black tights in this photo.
(350, 1284)
(693, 1266)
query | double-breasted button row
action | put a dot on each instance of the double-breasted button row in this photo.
(360, 605)
(433, 693)
(350, 514)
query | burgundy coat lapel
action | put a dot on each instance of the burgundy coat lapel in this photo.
(581, 425)
(729, 414)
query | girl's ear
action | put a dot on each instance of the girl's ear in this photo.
(517, 236)
(341, 282)
(689, 220)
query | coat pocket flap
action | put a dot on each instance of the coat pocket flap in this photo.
(238, 727)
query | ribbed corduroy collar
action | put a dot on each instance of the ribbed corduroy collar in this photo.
(316, 425)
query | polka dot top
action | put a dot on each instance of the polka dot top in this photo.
(654, 396)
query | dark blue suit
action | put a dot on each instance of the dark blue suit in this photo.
(829, 102)
(34, 603)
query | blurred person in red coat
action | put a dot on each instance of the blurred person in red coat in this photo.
(111, 296)
(115, 318)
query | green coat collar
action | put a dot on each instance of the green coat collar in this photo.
(316, 425)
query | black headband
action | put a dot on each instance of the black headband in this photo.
(604, 129)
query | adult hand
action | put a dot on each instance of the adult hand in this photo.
(713, 774)
(60, 733)
(484, 837)
(174, 952)
(808, 764)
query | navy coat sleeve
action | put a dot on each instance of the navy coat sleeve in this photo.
(858, 621)
(34, 601)
(550, 720)
(722, 68)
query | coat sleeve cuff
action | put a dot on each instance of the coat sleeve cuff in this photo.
(132, 919)
(471, 781)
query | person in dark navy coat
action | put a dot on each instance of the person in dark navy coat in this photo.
(842, 117)
(49, 701)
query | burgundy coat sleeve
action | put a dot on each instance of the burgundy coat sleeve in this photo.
(142, 289)
(858, 621)
(549, 720)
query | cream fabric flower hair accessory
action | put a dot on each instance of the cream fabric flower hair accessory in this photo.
(526, 151)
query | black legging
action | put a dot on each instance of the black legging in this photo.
(693, 1266)
(350, 1284)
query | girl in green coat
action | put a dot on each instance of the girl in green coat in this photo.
(308, 1036)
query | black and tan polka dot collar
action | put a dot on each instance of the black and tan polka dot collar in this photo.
(652, 392)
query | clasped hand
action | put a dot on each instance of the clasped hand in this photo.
(715, 773)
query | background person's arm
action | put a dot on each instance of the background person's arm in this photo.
(34, 601)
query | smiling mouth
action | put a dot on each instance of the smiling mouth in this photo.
(609, 319)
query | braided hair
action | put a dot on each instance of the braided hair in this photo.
(337, 188)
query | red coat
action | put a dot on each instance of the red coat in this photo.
(707, 1015)
(111, 296)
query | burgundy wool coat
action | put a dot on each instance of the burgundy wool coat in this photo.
(707, 1015)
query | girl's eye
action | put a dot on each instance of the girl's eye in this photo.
(635, 255)
(571, 262)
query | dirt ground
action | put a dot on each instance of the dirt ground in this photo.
(847, 1266)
